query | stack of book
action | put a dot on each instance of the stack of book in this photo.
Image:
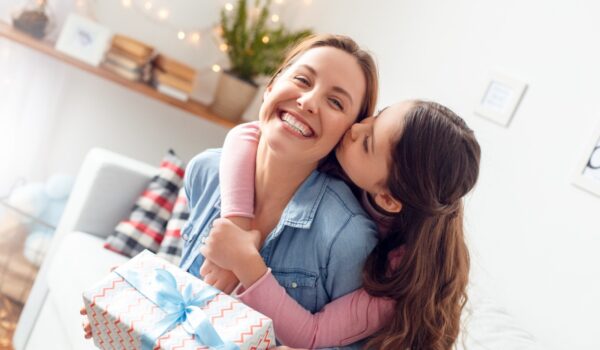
(129, 58)
(173, 78)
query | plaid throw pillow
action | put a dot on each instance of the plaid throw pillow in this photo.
(145, 227)
(172, 245)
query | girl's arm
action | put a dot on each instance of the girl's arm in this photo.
(236, 177)
(236, 173)
(343, 321)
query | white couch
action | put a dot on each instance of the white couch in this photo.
(106, 188)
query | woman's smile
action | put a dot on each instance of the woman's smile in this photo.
(295, 123)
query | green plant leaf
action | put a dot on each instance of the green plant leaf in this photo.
(243, 33)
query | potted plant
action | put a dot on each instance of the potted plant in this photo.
(254, 48)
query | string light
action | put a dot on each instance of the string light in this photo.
(195, 37)
(163, 14)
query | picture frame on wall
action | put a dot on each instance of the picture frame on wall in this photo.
(501, 98)
(587, 173)
(84, 39)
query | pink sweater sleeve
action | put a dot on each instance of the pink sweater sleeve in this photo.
(343, 321)
(236, 171)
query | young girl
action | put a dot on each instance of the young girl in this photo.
(414, 163)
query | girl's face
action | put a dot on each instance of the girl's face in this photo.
(311, 104)
(365, 151)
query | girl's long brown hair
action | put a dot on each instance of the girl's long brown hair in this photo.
(435, 162)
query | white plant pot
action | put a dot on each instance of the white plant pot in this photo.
(232, 97)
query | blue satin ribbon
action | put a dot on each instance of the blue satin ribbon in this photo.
(180, 309)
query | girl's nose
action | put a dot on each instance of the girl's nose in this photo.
(355, 131)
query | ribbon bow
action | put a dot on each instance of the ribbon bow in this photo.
(180, 309)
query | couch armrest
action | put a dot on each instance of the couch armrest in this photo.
(104, 192)
(106, 188)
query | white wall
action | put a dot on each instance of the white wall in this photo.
(98, 113)
(532, 234)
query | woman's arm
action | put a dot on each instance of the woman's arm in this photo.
(343, 321)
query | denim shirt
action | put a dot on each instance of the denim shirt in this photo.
(316, 251)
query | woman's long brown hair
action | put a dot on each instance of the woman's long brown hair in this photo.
(435, 162)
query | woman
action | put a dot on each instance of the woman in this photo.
(414, 163)
(301, 211)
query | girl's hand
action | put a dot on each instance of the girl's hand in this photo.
(229, 246)
(236, 250)
(218, 277)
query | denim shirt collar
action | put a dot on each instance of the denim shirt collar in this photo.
(300, 211)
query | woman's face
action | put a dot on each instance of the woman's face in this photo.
(311, 104)
(365, 151)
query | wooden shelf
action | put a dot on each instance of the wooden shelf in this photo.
(191, 106)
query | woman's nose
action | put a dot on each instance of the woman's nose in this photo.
(308, 102)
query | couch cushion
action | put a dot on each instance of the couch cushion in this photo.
(145, 226)
(80, 262)
(172, 245)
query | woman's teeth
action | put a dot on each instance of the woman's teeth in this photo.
(297, 125)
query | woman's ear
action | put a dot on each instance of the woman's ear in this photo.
(387, 202)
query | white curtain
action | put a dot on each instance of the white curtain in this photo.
(31, 85)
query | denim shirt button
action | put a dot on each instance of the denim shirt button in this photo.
(294, 284)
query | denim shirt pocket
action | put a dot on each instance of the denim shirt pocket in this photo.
(300, 285)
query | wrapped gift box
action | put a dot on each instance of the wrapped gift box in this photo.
(137, 307)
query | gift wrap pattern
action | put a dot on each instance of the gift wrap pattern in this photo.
(124, 317)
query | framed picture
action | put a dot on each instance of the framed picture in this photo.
(83, 39)
(500, 98)
(587, 174)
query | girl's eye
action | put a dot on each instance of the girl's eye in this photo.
(366, 144)
(302, 80)
(337, 104)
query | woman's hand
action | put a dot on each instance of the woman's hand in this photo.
(234, 249)
(229, 246)
(87, 328)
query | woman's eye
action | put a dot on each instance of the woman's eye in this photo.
(337, 103)
(302, 79)
(366, 144)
